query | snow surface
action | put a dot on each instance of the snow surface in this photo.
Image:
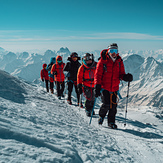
(36, 127)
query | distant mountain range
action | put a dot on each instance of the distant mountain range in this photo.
(146, 67)
(147, 87)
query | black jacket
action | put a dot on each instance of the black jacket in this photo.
(72, 69)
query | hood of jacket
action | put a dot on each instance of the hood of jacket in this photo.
(44, 65)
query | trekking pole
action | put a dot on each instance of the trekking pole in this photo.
(43, 85)
(92, 111)
(80, 102)
(127, 102)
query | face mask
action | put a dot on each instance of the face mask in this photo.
(59, 61)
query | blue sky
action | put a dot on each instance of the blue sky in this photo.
(81, 25)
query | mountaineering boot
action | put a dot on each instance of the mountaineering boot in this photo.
(59, 97)
(62, 95)
(88, 113)
(69, 102)
(81, 105)
(100, 120)
(112, 125)
(52, 91)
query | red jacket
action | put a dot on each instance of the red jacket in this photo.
(85, 75)
(58, 68)
(109, 73)
(44, 72)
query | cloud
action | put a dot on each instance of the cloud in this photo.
(64, 35)
(125, 36)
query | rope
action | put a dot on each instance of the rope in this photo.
(111, 101)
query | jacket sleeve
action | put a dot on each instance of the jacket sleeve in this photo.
(98, 73)
(53, 69)
(80, 75)
(122, 70)
(42, 74)
(67, 67)
(79, 64)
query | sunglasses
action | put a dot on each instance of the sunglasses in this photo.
(113, 51)
(87, 58)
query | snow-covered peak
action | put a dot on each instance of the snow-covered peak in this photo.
(1, 49)
(64, 52)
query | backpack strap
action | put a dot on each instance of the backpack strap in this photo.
(89, 69)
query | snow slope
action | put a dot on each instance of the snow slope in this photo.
(40, 128)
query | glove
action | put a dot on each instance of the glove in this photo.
(80, 88)
(43, 80)
(55, 73)
(97, 90)
(128, 77)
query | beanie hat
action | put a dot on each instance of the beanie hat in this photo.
(113, 46)
(74, 54)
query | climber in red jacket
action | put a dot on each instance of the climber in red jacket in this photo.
(44, 76)
(110, 69)
(57, 71)
(85, 81)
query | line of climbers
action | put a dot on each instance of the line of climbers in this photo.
(92, 78)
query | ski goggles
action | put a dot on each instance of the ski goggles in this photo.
(113, 51)
(87, 58)
(74, 56)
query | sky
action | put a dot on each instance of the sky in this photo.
(81, 25)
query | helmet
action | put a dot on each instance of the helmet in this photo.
(113, 46)
(73, 55)
(44, 65)
(88, 56)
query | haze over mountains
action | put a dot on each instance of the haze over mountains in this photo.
(146, 67)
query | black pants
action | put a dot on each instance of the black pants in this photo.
(109, 105)
(51, 85)
(47, 86)
(60, 86)
(70, 88)
(90, 98)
